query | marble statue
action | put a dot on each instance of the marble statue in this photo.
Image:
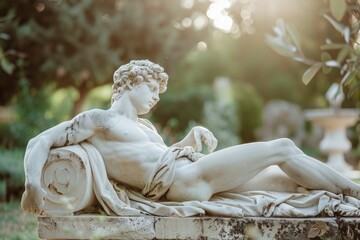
(135, 156)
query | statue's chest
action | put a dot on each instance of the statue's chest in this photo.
(152, 135)
(128, 131)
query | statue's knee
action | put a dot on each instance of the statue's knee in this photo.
(285, 142)
(286, 147)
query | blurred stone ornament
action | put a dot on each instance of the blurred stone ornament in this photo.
(335, 121)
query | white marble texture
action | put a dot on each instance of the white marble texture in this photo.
(132, 154)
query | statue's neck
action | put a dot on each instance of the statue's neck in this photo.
(125, 107)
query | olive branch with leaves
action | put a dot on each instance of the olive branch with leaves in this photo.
(344, 16)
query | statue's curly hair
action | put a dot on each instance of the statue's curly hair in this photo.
(135, 72)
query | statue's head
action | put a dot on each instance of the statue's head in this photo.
(135, 72)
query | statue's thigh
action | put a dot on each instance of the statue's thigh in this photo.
(270, 179)
(188, 185)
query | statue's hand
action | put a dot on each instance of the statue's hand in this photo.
(202, 134)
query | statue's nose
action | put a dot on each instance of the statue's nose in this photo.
(156, 98)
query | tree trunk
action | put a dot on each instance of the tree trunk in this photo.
(77, 107)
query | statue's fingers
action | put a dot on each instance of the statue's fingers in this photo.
(186, 151)
(189, 150)
(209, 140)
(197, 137)
(214, 144)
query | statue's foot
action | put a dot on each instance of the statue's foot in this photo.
(33, 199)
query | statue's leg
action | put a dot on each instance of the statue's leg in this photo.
(270, 179)
(228, 168)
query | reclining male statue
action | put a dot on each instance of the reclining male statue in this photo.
(132, 149)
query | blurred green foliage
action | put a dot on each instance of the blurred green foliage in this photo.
(16, 224)
(177, 109)
(11, 174)
(30, 119)
(68, 50)
(78, 44)
(249, 108)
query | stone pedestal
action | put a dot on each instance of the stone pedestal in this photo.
(150, 227)
(335, 142)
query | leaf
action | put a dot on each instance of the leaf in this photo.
(7, 66)
(278, 31)
(331, 46)
(342, 55)
(347, 34)
(326, 69)
(280, 47)
(355, 27)
(332, 63)
(338, 26)
(294, 36)
(355, 89)
(303, 59)
(338, 8)
(310, 73)
(281, 24)
(344, 30)
(325, 56)
(347, 78)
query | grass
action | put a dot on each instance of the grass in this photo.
(16, 224)
(12, 175)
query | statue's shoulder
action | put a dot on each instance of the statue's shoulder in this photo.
(99, 117)
(147, 123)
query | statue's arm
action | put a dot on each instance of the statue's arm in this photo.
(196, 136)
(66, 133)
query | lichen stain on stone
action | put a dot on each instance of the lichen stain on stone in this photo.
(290, 230)
(73, 128)
(349, 229)
(53, 189)
(317, 229)
(219, 221)
(230, 228)
(253, 231)
(197, 220)
(50, 224)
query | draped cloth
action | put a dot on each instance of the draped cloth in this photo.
(118, 199)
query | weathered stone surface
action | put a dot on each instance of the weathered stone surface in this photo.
(96, 227)
(350, 228)
(149, 227)
(269, 228)
(178, 228)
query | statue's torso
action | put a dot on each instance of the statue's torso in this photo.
(129, 149)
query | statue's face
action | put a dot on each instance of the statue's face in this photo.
(144, 96)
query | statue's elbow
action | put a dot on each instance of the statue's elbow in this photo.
(39, 141)
(32, 142)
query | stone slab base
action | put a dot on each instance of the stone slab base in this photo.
(150, 227)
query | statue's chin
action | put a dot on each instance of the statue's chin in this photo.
(144, 112)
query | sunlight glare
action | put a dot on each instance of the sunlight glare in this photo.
(218, 14)
(201, 46)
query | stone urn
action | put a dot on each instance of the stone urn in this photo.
(334, 120)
